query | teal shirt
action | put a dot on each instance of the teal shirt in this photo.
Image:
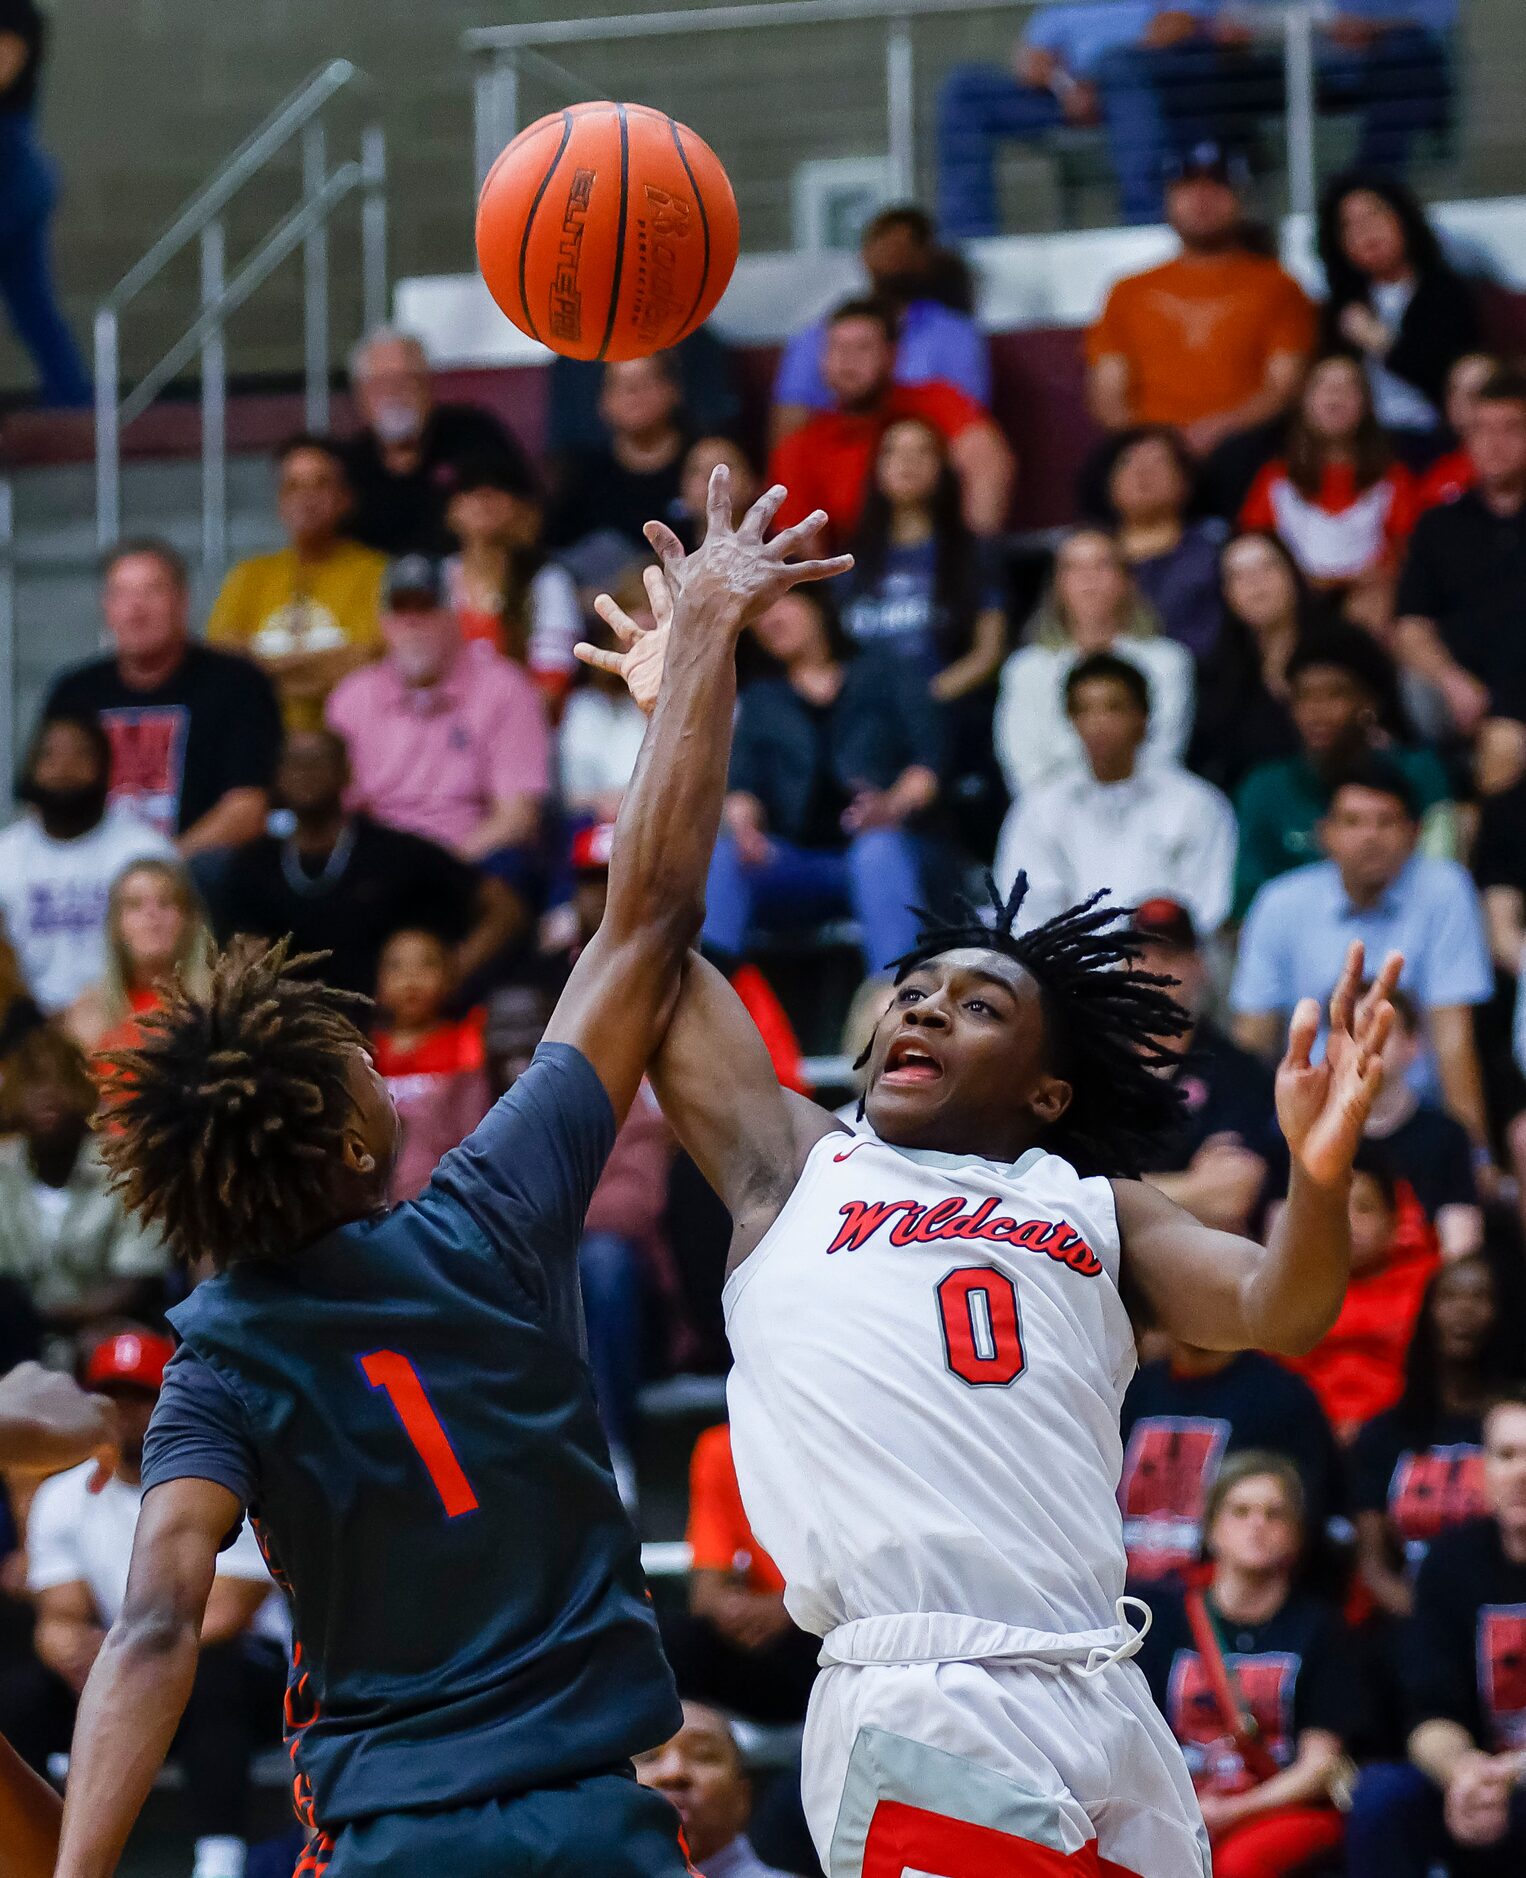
(1279, 806)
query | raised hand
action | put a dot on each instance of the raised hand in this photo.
(643, 648)
(1323, 1107)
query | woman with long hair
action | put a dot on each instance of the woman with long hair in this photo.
(155, 927)
(921, 585)
(1418, 1469)
(1338, 498)
(1256, 1678)
(1395, 302)
(1144, 492)
(1092, 606)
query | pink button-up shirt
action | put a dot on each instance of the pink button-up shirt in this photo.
(435, 760)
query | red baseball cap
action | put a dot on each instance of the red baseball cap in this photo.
(134, 1357)
(1165, 921)
(591, 848)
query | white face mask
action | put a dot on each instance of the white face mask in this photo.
(396, 421)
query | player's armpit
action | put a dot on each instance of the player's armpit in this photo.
(717, 1087)
(1181, 1276)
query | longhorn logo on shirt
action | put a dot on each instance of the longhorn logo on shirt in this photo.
(953, 1219)
(1502, 1672)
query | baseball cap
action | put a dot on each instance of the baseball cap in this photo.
(1210, 161)
(591, 848)
(416, 579)
(1167, 922)
(134, 1357)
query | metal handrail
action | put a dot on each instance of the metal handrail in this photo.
(201, 221)
(498, 50)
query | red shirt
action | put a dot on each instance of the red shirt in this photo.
(1341, 532)
(440, 1089)
(1448, 478)
(720, 1539)
(827, 462)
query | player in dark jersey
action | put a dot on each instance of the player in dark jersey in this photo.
(400, 1400)
(47, 1423)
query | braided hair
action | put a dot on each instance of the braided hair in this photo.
(222, 1125)
(1103, 1025)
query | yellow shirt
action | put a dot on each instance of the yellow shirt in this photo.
(274, 605)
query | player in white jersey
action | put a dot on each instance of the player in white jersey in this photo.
(933, 1329)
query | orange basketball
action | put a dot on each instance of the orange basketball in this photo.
(607, 231)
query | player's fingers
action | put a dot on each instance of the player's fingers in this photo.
(820, 570)
(664, 543)
(800, 538)
(1373, 1029)
(1343, 998)
(600, 656)
(755, 522)
(616, 618)
(718, 501)
(1301, 1034)
(659, 593)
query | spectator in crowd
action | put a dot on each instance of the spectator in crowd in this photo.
(700, 1770)
(1431, 1146)
(64, 1236)
(1140, 828)
(501, 586)
(1460, 1799)
(194, 731)
(78, 1547)
(828, 462)
(638, 476)
(1337, 498)
(1212, 342)
(707, 376)
(935, 343)
(1183, 1416)
(922, 586)
(407, 454)
(1092, 607)
(1256, 1679)
(1417, 1469)
(309, 613)
(602, 727)
(342, 884)
(446, 740)
(1357, 1368)
(1462, 594)
(60, 857)
(704, 456)
(1065, 71)
(834, 768)
(1393, 300)
(1452, 473)
(155, 929)
(1343, 698)
(1147, 482)
(1373, 886)
(432, 1064)
(735, 1645)
(29, 191)
(1243, 714)
(1227, 1142)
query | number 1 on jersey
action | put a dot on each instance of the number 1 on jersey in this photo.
(982, 1330)
(385, 1369)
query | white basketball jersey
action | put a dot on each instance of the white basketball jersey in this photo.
(931, 1355)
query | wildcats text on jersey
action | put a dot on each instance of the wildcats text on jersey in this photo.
(954, 1218)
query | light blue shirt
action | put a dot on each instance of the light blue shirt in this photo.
(1300, 925)
(1081, 35)
(935, 343)
(1438, 16)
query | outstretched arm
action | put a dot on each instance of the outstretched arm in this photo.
(142, 1678)
(1222, 1292)
(621, 994)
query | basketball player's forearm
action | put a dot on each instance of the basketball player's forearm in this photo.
(1295, 1291)
(29, 1815)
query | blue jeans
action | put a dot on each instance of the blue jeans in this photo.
(877, 879)
(1395, 1830)
(609, 1266)
(981, 106)
(28, 193)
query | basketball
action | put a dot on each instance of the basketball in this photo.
(607, 231)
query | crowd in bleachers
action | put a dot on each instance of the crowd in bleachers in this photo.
(1271, 691)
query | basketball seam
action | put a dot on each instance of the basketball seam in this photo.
(704, 221)
(524, 240)
(614, 286)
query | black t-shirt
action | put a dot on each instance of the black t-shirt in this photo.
(1433, 1153)
(379, 882)
(1225, 1091)
(598, 493)
(22, 18)
(1426, 1480)
(1466, 571)
(1465, 1654)
(1177, 1430)
(1295, 1671)
(177, 750)
(1499, 858)
(406, 514)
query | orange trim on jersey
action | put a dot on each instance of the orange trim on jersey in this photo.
(902, 1836)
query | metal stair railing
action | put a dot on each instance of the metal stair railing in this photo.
(201, 220)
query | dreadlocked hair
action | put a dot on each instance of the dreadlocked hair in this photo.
(221, 1126)
(1105, 1020)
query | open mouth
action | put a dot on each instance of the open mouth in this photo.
(908, 1065)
